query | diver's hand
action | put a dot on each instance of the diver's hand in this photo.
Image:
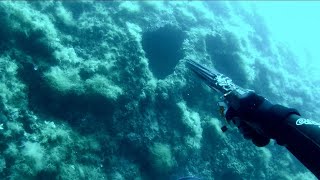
(250, 133)
(258, 119)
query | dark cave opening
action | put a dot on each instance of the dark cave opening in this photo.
(163, 49)
(224, 51)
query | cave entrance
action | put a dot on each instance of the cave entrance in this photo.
(163, 49)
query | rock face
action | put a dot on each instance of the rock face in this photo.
(99, 90)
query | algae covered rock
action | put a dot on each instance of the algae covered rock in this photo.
(161, 158)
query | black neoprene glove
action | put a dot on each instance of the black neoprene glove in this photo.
(258, 119)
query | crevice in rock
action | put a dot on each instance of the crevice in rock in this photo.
(84, 112)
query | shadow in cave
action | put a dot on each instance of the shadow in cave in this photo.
(163, 49)
(224, 53)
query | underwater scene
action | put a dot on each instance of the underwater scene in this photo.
(100, 90)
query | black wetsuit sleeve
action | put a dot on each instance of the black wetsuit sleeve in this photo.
(285, 125)
(299, 135)
(302, 138)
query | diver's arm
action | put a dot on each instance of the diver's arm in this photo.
(262, 120)
(302, 138)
